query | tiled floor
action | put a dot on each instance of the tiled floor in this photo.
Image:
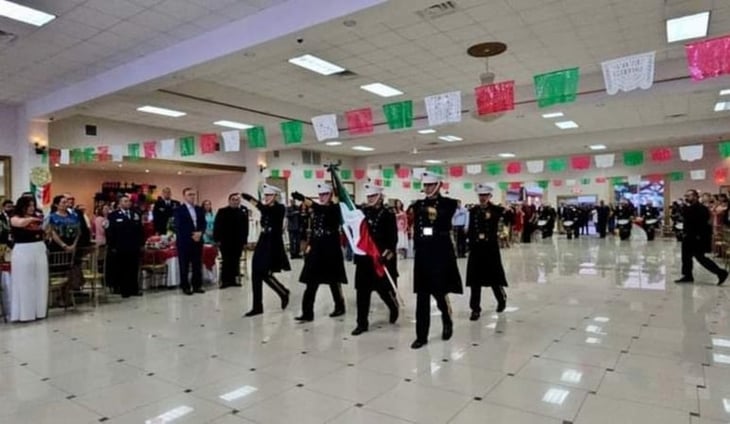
(596, 332)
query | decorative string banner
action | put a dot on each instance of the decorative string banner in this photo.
(556, 87)
(133, 151)
(514, 167)
(167, 147)
(293, 132)
(65, 158)
(708, 58)
(580, 162)
(456, 171)
(319, 174)
(691, 153)
(605, 160)
(660, 154)
(208, 143)
(493, 168)
(256, 137)
(443, 108)
(557, 164)
(495, 98)
(535, 166)
(474, 169)
(675, 176)
(388, 173)
(720, 175)
(117, 152)
(399, 115)
(102, 154)
(634, 158)
(359, 121)
(187, 146)
(697, 174)
(360, 174)
(150, 149)
(543, 184)
(724, 149)
(629, 73)
(468, 185)
(403, 173)
(345, 174)
(325, 127)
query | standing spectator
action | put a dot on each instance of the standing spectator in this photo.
(529, 217)
(230, 232)
(189, 221)
(602, 213)
(84, 226)
(209, 221)
(125, 237)
(163, 211)
(401, 221)
(100, 223)
(64, 227)
(293, 226)
(5, 214)
(458, 222)
(29, 289)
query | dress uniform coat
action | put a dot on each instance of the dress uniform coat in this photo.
(230, 230)
(161, 214)
(125, 238)
(384, 231)
(484, 267)
(324, 263)
(435, 270)
(269, 256)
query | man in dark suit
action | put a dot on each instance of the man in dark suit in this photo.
(125, 238)
(189, 221)
(230, 231)
(5, 215)
(163, 210)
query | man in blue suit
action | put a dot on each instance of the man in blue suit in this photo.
(189, 224)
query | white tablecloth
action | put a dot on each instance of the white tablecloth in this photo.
(5, 281)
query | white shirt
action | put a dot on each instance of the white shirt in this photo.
(193, 215)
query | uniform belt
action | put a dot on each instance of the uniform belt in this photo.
(267, 230)
(322, 233)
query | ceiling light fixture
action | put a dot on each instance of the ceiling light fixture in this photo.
(333, 143)
(427, 131)
(161, 111)
(722, 106)
(450, 138)
(315, 64)
(24, 14)
(433, 161)
(597, 147)
(506, 155)
(725, 92)
(233, 124)
(381, 89)
(688, 27)
(566, 125)
(363, 148)
(553, 115)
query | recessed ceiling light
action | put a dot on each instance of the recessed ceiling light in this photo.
(506, 155)
(427, 131)
(725, 92)
(363, 148)
(179, 172)
(381, 89)
(333, 143)
(566, 125)
(315, 64)
(24, 14)
(146, 171)
(161, 111)
(597, 147)
(688, 27)
(450, 138)
(56, 165)
(233, 124)
(722, 106)
(433, 161)
(553, 115)
(119, 166)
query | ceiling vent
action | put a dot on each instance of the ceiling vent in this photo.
(7, 37)
(346, 75)
(438, 10)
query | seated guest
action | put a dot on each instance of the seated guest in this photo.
(29, 289)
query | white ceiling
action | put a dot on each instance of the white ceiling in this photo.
(91, 36)
(152, 167)
(392, 44)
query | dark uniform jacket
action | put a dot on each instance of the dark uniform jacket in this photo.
(697, 227)
(269, 255)
(230, 227)
(434, 266)
(323, 263)
(384, 231)
(124, 234)
(161, 214)
(484, 266)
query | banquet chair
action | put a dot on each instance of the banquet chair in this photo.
(94, 270)
(59, 273)
(155, 266)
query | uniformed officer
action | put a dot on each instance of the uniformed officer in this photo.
(269, 256)
(323, 262)
(484, 267)
(435, 272)
(570, 218)
(380, 220)
(125, 239)
(650, 217)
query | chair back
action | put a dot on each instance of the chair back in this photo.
(60, 263)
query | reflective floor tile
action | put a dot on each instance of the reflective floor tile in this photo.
(537, 397)
(602, 410)
(477, 412)
(414, 402)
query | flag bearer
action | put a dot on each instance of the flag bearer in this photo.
(484, 267)
(380, 220)
(323, 262)
(435, 272)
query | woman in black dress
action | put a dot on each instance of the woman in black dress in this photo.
(269, 256)
(323, 262)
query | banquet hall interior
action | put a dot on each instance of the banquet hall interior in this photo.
(561, 109)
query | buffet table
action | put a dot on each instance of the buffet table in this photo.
(168, 256)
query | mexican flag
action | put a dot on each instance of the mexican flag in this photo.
(355, 227)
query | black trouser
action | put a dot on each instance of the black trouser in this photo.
(423, 313)
(460, 237)
(527, 232)
(363, 301)
(126, 265)
(601, 228)
(191, 255)
(257, 280)
(572, 231)
(230, 263)
(310, 294)
(692, 249)
(475, 299)
(294, 243)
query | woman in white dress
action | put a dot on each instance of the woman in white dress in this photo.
(401, 220)
(28, 264)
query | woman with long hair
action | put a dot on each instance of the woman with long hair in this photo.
(29, 288)
(209, 221)
(102, 216)
(401, 220)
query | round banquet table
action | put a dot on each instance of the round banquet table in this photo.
(168, 256)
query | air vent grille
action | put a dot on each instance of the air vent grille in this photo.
(437, 10)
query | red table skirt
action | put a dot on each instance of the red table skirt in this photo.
(158, 256)
(5, 267)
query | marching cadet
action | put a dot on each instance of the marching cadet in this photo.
(125, 239)
(484, 267)
(384, 231)
(323, 262)
(269, 256)
(435, 272)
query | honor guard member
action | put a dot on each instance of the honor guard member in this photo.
(323, 262)
(484, 267)
(435, 272)
(269, 255)
(125, 239)
(380, 220)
